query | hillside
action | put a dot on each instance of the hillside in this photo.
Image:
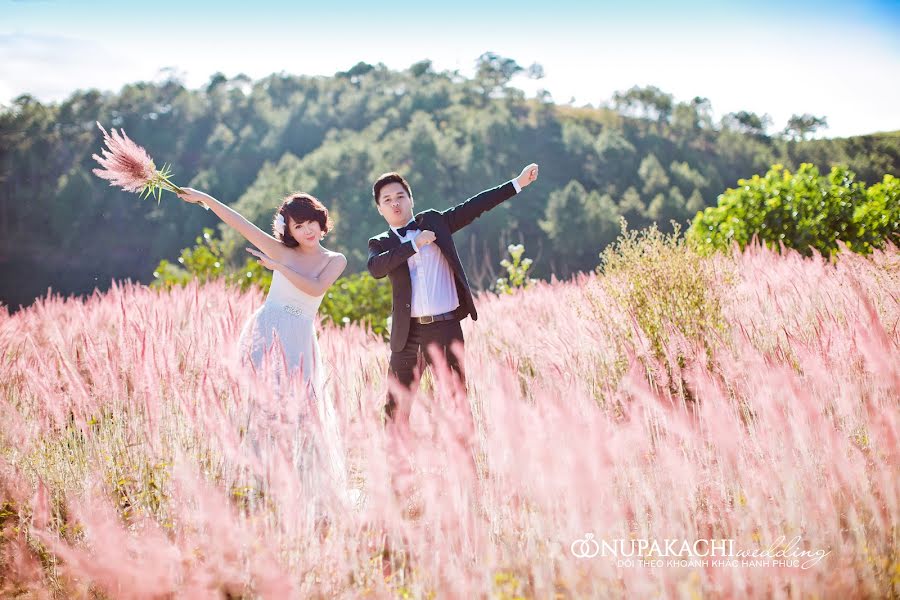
(647, 157)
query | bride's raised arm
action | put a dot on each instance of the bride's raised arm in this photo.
(253, 234)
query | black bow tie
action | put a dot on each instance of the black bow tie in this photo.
(412, 226)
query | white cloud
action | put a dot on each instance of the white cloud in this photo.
(52, 67)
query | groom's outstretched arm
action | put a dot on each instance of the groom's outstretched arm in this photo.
(383, 262)
(464, 213)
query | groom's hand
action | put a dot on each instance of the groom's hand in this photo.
(424, 238)
(529, 174)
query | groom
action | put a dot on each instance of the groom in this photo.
(430, 291)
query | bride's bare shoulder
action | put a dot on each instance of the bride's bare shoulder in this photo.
(331, 254)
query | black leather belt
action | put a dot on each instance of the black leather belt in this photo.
(447, 316)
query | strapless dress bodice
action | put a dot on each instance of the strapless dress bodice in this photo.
(285, 296)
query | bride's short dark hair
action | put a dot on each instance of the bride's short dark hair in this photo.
(300, 207)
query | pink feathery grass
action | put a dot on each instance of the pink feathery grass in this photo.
(138, 458)
(125, 164)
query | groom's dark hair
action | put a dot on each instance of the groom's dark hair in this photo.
(392, 177)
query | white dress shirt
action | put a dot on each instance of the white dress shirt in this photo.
(433, 286)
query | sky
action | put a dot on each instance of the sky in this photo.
(840, 60)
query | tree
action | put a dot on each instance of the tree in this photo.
(250, 142)
(685, 120)
(420, 68)
(631, 204)
(215, 81)
(799, 126)
(666, 207)
(687, 177)
(572, 209)
(877, 220)
(577, 139)
(516, 271)
(748, 122)
(703, 107)
(695, 203)
(613, 147)
(692, 121)
(650, 103)
(356, 71)
(535, 71)
(494, 71)
(653, 175)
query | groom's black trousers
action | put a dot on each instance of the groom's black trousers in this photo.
(440, 336)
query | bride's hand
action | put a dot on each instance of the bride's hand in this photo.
(193, 196)
(263, 259)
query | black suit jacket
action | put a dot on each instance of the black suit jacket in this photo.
(388, 256)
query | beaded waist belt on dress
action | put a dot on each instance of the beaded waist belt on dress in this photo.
(447, 316)
(294, 310)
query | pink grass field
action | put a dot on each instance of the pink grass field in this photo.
(127, 468)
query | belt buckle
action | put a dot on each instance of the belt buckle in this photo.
(423, 322)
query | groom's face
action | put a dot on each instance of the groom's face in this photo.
(395, 205)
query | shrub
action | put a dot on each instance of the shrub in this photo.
(516, 271)
(663, 282)
(803, 210)
(206, 261)
(357, 298)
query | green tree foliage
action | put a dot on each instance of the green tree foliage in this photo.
(355, 298)
(800, 126)
(208, 260)
(687, 177)
(631, 204)
(649, 102)
(653, 175)
(804, 210)
(359, 298)
(579, 223)
(748, 122)
(495, 71)
(250, 143)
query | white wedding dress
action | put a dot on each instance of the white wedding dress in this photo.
(287, 315)
(286, 321)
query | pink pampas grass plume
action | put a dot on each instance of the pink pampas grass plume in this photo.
(127, 165)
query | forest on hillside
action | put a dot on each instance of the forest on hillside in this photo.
(642, 155)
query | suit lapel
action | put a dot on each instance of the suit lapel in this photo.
(443, 242)
(392, 242)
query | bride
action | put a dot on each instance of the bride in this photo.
(303, 270)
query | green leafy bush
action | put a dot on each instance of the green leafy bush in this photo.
(357, 298)
(206, 261)
(516, 271)
(803, 210)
